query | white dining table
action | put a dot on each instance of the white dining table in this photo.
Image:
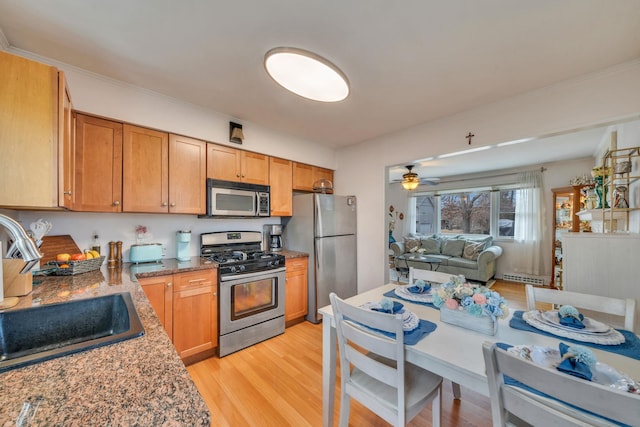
(453, 352)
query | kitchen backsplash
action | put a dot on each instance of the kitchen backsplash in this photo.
(113, 227)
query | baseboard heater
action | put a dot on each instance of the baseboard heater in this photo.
(524, 278)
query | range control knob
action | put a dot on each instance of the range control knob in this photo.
(232, 268)
(242, 267)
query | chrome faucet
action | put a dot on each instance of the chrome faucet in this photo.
(22, 244)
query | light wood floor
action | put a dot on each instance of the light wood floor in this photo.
(279, 383)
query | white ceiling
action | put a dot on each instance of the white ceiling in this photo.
(408, 62)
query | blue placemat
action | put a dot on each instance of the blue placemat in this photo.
(412, 337)
(510, 381)
(392, 294)
(630, 347)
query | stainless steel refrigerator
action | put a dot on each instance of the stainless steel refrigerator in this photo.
(324, 226)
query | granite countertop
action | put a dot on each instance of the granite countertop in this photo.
(141, 381)
(293, 254)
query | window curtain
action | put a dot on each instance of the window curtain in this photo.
(529, 223)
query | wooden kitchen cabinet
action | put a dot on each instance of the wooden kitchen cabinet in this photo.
(195, 312)
(296, 301)
(145, 168)
(281, 182)
(230, 164)
(30, 98)
(187, 175)
(97, 159)
(66, 155)
(187, 306)
(305, 175)
(159, 292)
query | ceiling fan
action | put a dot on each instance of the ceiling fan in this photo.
(410, 180)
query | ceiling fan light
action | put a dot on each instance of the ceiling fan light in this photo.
(410, 180)
(306, 74)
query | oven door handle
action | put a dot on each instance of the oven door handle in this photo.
(250, 275)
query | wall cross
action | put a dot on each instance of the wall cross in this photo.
(469, 136)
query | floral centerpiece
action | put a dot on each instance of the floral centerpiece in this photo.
(471, 306)
(600, 172)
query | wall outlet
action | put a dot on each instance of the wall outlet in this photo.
(164, 250)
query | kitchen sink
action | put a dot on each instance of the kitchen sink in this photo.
(36, 334)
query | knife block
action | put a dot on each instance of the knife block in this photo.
(15, 284)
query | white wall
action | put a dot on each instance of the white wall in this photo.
(602, 97)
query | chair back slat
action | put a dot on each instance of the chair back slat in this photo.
(623, 307)
(428, 275)
(620, 406)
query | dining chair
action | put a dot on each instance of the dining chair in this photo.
(544, 395)
(436, 277)
(373, 369)
(625, 308)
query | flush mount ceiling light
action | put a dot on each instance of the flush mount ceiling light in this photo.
(306, 74)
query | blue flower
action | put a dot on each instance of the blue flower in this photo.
(466, 301)
(437, 301)
(474, 309)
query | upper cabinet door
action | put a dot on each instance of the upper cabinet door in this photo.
(28, 133)
(97, 185)
(187, 175)
(223, 163)
(281, 181)
(145, 170)
(231, 164)
(66, 145)
(254, 168)
(302, 177)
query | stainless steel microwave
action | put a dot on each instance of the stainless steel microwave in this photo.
(237, 199)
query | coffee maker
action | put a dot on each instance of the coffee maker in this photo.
(272, 237)
(183, 244)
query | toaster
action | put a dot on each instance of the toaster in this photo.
(147, 252)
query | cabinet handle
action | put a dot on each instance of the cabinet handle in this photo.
(215, 294)
(169, 285)
(197, 280)
(116, 203)
(164, 204)
(68, 193)
(172, 204)
(243, 175)
(237, 175)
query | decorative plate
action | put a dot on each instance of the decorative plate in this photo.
(591, 326)
(602, 373)
(409, 318)
(404, 293)
(535, 319)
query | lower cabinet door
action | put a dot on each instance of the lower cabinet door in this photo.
(195, 320)
(159, 292)
(296, 304)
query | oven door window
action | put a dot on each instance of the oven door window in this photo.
(248, 299)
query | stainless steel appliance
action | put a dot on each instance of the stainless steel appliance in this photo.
(324, 226)
(251, 293)
(272, 237)
(237, 199)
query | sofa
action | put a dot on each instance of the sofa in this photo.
(473, 256)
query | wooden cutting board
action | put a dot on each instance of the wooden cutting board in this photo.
(54, 245)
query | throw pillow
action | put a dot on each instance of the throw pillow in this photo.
(472, 250)
(453, 247)
(411, 244)
(431, 245)
(486, 241)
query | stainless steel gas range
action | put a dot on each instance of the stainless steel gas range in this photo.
(251, 293)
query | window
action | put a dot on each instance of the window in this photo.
(472, 211)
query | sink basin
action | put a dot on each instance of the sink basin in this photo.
(36, 334)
